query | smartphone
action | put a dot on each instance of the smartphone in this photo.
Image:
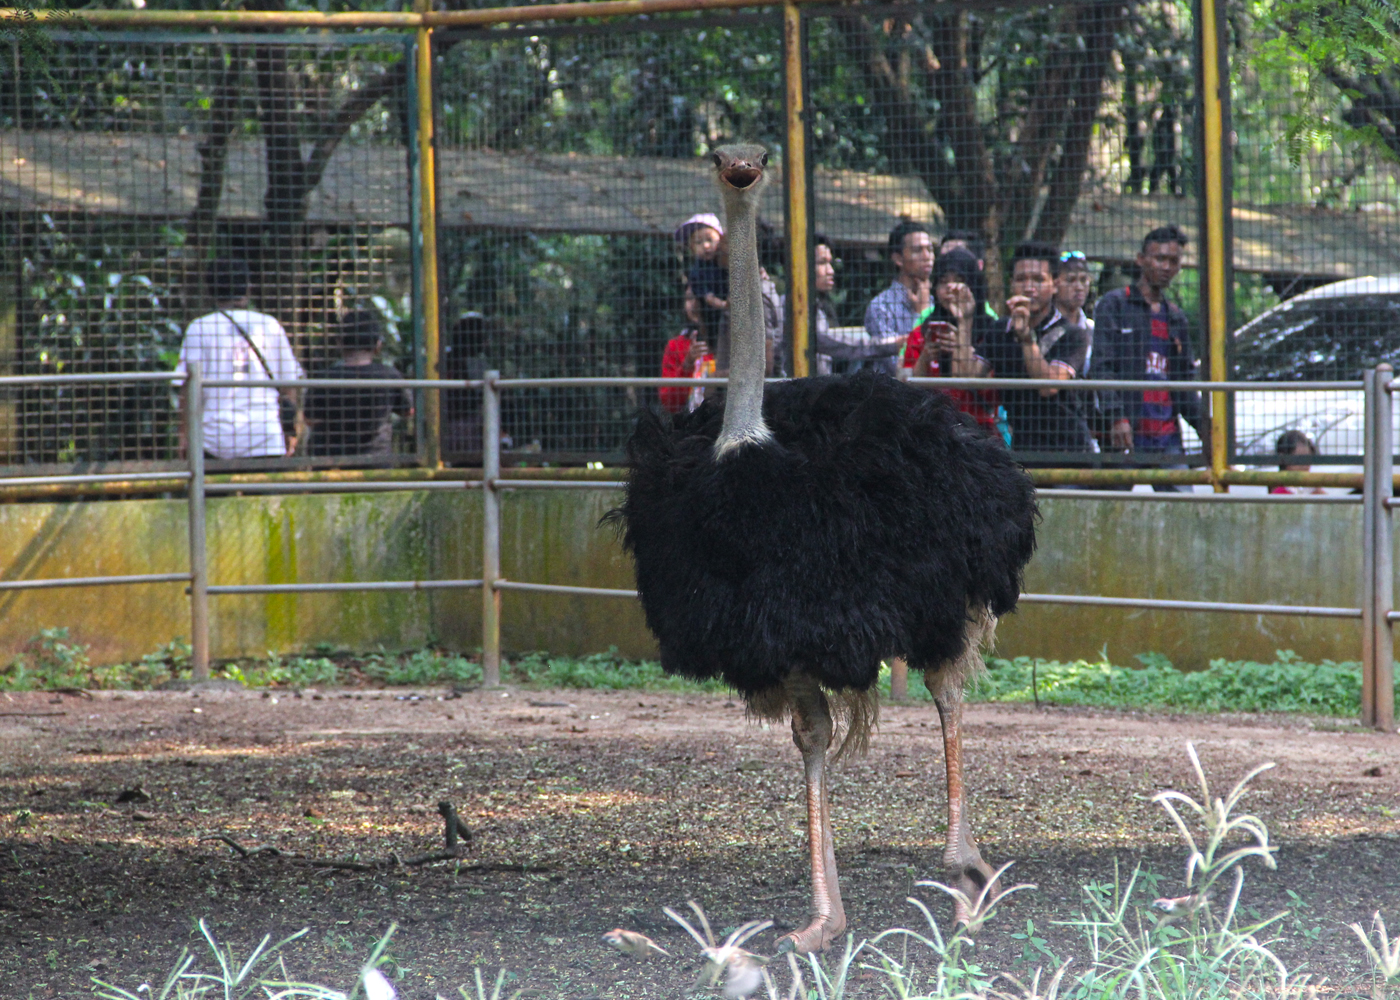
(936, 329)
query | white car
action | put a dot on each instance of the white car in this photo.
(1331, 333)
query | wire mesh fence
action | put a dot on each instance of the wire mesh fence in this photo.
(981, 182)
(569, 164)
(134, 165)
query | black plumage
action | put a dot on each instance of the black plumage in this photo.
(876, 523)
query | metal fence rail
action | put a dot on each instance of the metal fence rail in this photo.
(1376, 612)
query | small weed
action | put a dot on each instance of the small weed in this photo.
(276, 671)
(607, 671)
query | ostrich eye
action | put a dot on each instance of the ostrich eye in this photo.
(764, 161)
(714, 157)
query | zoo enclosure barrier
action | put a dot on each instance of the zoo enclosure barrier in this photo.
(1377, 612)
(507, 181)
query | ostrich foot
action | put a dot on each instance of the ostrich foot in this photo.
(817, 936)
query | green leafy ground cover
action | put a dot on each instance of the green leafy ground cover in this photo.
(1288, 684)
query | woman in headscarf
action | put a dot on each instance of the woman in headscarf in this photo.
(945, 338)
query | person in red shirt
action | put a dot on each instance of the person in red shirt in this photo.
(944, 341)
(687, 355)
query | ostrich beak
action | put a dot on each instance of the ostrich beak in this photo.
(741, 175)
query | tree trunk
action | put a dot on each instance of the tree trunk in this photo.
(1098, 26)
(213, 158)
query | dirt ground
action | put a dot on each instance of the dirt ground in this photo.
(592, 810)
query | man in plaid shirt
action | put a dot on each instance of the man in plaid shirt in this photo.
(893, 313)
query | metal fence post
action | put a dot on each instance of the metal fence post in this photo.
(1213, 82)
(427, 228)
(1377, 556)
(199, 554)
(490, 531)
(1380, 468)
(799, 267)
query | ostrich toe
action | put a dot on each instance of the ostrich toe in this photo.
(970, 878)
(817, 936)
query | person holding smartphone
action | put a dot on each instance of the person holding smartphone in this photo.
(943, 341)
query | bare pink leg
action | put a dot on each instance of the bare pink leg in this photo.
(964, 862)
(812, 732)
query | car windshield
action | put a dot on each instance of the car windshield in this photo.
(1320, 339)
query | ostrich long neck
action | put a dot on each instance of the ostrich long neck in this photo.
(743, 408)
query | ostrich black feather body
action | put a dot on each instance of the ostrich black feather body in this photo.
(872, 525)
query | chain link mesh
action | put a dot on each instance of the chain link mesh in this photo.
(571, 189)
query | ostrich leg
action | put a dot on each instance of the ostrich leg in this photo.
(812, 731)
(969, 872)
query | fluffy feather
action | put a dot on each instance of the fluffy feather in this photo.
(878, 522)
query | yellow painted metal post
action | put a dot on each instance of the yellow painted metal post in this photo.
(799, 265)
(1217, 294)
(427, 227)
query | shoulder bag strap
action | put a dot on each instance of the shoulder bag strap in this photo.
(249, 341)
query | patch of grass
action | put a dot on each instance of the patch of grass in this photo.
(606, 671)
(425, 666)
(1286, 685)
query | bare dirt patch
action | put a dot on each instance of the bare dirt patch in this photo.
(592, 810)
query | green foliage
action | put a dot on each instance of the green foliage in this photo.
(1346, 48)
(607, 671)
(426, 666)
(51, 661)
(1286, 685)
(278, 671)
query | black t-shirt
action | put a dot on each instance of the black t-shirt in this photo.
(708, 278)
(1040, 423)
(355, 421)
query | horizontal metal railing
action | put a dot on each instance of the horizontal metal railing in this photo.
(1377, 385)
(1376, 613)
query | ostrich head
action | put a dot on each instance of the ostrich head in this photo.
(740, 169)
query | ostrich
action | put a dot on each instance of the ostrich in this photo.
(792, 539)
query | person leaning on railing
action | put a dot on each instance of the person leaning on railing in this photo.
(239, 343)
(895, 311)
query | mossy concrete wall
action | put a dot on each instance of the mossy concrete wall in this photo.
(1256, 553)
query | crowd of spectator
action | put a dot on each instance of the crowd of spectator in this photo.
(934, 320)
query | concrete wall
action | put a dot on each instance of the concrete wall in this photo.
(1246, 552)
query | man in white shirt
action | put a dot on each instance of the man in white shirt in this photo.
(236, 342)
